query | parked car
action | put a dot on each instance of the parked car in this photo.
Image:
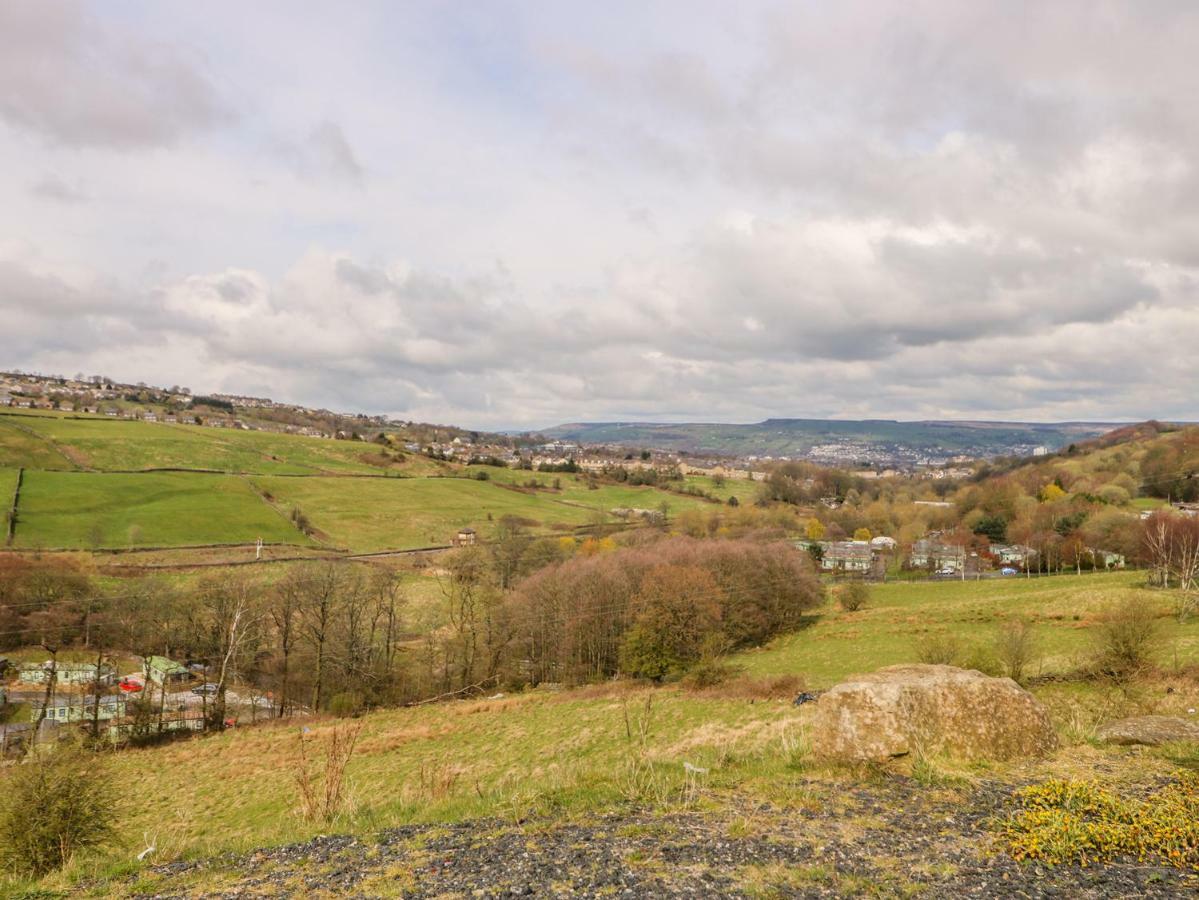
(1008, 570)
(206, 689)
(129, 686)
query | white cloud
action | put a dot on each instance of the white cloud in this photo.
(515, 216)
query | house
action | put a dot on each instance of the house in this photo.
(170, 420)
(64, 708)
(1012, 554)
(163, 670)
(846, 556)
(150, 417)
(25, 404)
(66, 673)
(110, 412)
(5, 400)
(464, 538)
(933, 553)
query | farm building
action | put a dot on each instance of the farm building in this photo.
(846, 556)
(81, 708)
(160, 669)
(929, 552)
(1012, 554)
(464, 538)
(66, 673)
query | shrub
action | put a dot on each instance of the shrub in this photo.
(1124, 641)
(1017, 648)
(346, 704)
(1081, 822)
(708, 673)
(981, 659)
(853, 596)
(939, 649)
(59, 802)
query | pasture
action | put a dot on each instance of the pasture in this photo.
(153, 509)
(105, 444)
(596, 748)
(901, 615)
(368, 514)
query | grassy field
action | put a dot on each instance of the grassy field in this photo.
(574, 488)
(90, 510)
(579, 752)
(899, 616)
(379, 514)
(8, 483)
(19, 447)
(108, 444)
(407, 510)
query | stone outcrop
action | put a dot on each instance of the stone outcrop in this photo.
(930, 709)
(1149, 731)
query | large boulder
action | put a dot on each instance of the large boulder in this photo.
(930, 709)
(1148, 730)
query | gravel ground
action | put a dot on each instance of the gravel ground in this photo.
(891, 839)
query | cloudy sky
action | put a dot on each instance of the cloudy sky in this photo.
(515, 214)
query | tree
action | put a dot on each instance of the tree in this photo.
(677, 611)
(325, 589)
(814, 530)
(862, 534)
(231, 620)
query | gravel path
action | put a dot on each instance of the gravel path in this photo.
(891, 839)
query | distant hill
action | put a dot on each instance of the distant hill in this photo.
(840, 440)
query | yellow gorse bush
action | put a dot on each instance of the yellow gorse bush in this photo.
(1062, 821)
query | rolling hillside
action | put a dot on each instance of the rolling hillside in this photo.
(98, 483)
(537, 761)
(891, 440)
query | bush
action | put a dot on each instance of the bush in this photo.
(346, 704)
(1017, 649)
(59, 802)
(939, 650)
(708, 673)
(1124, 641)
(853, 596)
(1082, 822)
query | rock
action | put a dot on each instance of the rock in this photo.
(933, 709)
(1148, 730)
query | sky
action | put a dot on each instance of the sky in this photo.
(514, 214)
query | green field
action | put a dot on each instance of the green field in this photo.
(108, 444)
(131, 507)
(541, 753)
(573, 488)
(367, 514)
(18, 447)
(91, 510)
(900, 615)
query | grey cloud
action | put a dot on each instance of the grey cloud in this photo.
(65, 77)
(327, 152)
(51, 187)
